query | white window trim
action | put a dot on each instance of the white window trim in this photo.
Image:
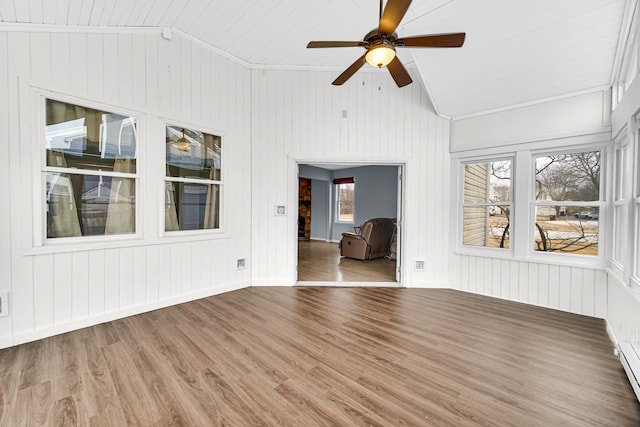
(40, 240)
(571, 259)
(522, 191)
(337, 206)
(621, 196)
(179, 235)
(461, 248)
(148, 188)
(633, 270)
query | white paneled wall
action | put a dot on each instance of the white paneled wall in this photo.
(54, 290)
(300, 116)
(624, 314)
(573, 289)
(270, 120)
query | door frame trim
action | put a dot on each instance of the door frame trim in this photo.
(292, 191)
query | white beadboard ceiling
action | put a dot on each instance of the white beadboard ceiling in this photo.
(516, 51)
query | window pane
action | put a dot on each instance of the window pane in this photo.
(617, 170)
(85, 138)
(193, 154)
(484, 226)
(636, 261)
(345, 202)
(487, 182)
(87, 205)
(567, 229)
(637, 189)
(191, 206)
(573, 177)
(620, 230)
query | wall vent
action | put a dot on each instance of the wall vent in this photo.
(419, 265)
(241, 263)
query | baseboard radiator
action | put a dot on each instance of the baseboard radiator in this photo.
(630, 360)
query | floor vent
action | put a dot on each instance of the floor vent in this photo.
(631, 363)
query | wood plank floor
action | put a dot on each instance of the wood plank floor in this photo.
(302, 356)
(320, 261)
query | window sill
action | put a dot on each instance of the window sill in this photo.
(537, 258)
(122, 242)
(485, 252)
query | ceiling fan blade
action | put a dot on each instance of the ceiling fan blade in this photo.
(399, 73)
(433, 40)
(393, 13)
(336, 44)
(346, 74)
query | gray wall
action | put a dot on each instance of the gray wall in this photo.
(376, 196)
(319, 209)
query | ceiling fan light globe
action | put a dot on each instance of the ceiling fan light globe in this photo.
(182, 144)
(380, 56)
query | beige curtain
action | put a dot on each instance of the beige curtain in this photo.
(62, 213)
(59, 112)
(211, 210)
(170, 212)
(121, 212)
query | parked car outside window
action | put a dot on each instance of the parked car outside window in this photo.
(587, 215)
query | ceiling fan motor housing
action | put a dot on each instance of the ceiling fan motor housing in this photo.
(381, 43)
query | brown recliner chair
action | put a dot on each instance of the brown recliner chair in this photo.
(372, 242)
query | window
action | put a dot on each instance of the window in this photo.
(345, 196)
(193, 180)
(90, 171)
(635, 275)
(486, 205)
(621, 200)
(567, 203)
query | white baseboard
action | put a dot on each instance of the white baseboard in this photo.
(631, 363)
(258, 283)
(429, 285)
(351, 284)
(76, 324)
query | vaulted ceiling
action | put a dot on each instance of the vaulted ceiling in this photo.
(516, 51)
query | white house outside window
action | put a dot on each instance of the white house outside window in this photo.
(193, 179)
(90, 171)
(486, 204)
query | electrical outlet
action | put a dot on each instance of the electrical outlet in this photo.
(419, 265)
(4, 303)
(241, 263)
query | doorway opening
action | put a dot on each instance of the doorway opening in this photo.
(356, 205)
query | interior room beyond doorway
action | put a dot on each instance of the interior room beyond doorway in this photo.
(323, 218)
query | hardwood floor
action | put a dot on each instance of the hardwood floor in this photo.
(324, 356)
(320, 261)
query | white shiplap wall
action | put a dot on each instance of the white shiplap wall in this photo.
(298, 116)
(573, 289)
(585, 119)
(54, 290)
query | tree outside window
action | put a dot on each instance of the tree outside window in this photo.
(567, 203)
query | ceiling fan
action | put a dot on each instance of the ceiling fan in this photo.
(381, 44)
